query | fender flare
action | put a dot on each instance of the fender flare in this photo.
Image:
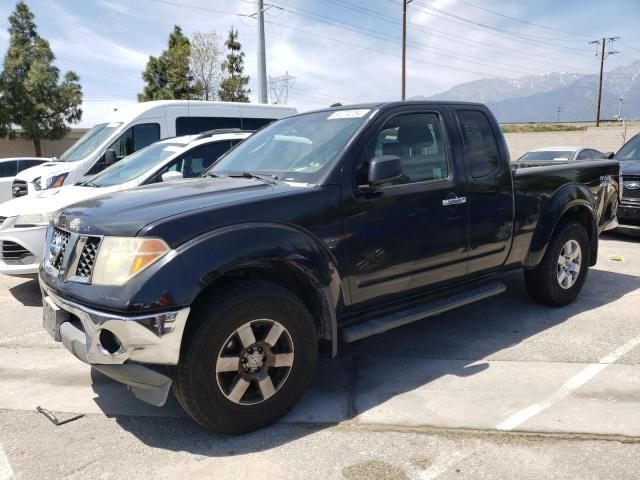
(570, 197)
(262, 244)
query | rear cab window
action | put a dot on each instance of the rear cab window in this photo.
(480, 145)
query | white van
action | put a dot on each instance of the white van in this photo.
(130, 129)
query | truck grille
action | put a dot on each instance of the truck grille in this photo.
(88, 257)
(19, 188)
(59, 240)
(629, 193)
(13, 251)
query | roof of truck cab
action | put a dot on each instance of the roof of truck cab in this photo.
(385, 105)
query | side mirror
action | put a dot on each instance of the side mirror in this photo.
(384, 169)
(171, 175)
(609, 155)
(109, 157)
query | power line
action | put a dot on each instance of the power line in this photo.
(546, 27)
(429, 10)
(434, 32)
(414, 45)
(197, 7)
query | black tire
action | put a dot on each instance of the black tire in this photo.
(196, 381)
(543, 283)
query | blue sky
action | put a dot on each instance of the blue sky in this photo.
(336, 50)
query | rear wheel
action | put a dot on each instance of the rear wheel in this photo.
(249, 361)
(559, 277)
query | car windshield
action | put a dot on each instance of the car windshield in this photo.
(136, 164)
(89, 142)
(546, 156)
(630, 150)
(296, 149)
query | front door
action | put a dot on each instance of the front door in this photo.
(412, 233)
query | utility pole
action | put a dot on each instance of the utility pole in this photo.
(602, 43)
(262, 62)
(404, 46)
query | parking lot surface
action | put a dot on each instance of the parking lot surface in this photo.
(504, 388)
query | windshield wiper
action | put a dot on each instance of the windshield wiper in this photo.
(265, 178)
(86, 183)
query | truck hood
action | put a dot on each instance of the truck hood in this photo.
(127, 212)
(630, 167)
(45, 170)
(48, 201)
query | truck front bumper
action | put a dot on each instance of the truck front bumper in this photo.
(629, 216)
(118, 345)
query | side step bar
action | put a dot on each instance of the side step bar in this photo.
(382, 324)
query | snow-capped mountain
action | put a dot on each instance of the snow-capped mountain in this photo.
(536, 98)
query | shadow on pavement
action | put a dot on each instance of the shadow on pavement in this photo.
(27, 293)
(461, 338)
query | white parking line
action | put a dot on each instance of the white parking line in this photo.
(20, 337)
(568, 387)
(6, 473)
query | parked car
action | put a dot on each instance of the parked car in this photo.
(335, 224)
(24, 220)
(629, 209)
(129, 129)
(547, 154)
(9, 168)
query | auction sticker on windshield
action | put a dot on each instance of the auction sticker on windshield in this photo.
(348, 114)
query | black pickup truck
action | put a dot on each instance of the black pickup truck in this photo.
(331, 225)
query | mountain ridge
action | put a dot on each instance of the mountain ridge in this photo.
(536, 98)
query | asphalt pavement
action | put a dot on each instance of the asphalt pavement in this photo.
(504, 388)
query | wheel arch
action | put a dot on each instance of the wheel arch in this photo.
(279, 254)
(572, 203)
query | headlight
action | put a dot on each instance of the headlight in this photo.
(56, 181)
(121, 258)
(37, 183)
(32, 220)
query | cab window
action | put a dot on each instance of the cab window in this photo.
(418, 140)
(196, 161)
(135, 138)
(481, 148)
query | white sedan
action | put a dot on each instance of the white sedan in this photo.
(563, 153)
(24, 220)
(10, 167)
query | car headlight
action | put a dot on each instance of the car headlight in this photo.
(122, 258)
(56, 181)
(37, 183)
(32, 220)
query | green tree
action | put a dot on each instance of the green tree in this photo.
(168, 76)
(32, 98)
(234, 86)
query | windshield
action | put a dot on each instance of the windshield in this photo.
(89, 142)
(546, 156)
(136, 164)
(295, 149)
(630, 150)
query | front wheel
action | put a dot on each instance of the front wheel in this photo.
(559, 277)
(249, 361)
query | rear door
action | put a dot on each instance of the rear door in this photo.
(489, 189)
(411, 234)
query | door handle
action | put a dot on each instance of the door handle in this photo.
(454, 201)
